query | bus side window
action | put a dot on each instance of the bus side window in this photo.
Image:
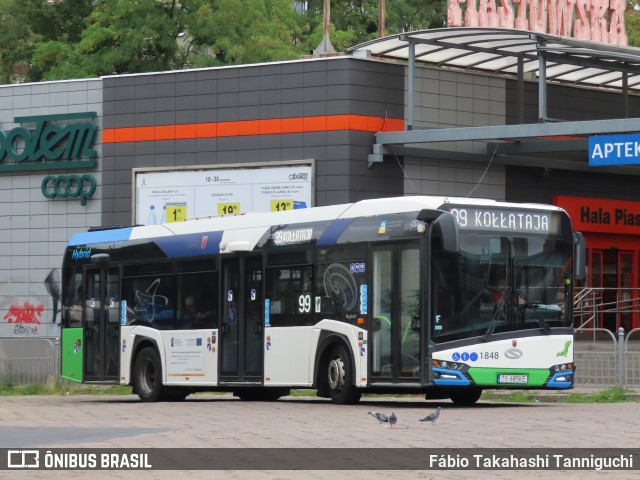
(198, 308)
(152, 300)
(339, 285)
(290, 291)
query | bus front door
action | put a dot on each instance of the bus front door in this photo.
(395, 330)
(241, 356)
(101, 325)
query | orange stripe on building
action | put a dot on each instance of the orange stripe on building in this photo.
(273, 126)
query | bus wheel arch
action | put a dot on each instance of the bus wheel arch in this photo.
(335, 371)
(147, 374)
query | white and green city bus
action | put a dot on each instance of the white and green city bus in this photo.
(386, 295)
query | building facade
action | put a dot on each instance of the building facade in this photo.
(74, 152)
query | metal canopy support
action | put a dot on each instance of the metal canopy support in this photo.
(520, 86)
(411, 72)
(505, 53)
(542, 84)
(625, 93)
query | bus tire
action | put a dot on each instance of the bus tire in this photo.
(176, 394)
(466, 397)
(342, 389)
(147, 376)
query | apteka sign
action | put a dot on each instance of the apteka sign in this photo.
(614, 150)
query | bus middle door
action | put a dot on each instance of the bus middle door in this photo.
(241, 330)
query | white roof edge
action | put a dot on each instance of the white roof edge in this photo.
(228, 67)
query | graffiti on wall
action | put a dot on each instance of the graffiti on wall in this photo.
(26, 317)
(26, 313)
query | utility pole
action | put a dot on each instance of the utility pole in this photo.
(325, 46)
(381, 16)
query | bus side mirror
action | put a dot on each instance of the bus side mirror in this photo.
(446, 227)
(443, 225)
(579, 256)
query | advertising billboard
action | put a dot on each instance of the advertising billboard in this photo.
(177, 194)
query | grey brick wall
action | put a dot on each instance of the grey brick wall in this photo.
(456, 99)
(316, 87)
(33, 229)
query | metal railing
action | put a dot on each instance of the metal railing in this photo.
(25, 361)
(591, 306)
(607, 356)
(603, 358)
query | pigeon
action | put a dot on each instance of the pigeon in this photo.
(380, 416)
(393, 419)
(432, 417)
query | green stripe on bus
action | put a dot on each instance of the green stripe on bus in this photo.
(489, 376)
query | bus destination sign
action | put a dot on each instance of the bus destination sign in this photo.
(497, 220)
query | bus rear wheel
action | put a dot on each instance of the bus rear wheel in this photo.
(466, 397)
(147, 376)
(342, 389)
(176, 394)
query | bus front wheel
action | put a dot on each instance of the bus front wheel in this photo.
(340, 378)
(147, 376)
(466, 397)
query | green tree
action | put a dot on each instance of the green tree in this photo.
(410, 15)
(57, 27)
(55, 60)
(46, 40)
(356, 21)
(132, 36)
(61, 20)
(17, 42)
(632, 24)
(247, 31)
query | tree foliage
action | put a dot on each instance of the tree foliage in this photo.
(632, 24)
(59, 39)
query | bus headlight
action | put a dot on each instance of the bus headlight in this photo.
(446, 364)
(563, 367)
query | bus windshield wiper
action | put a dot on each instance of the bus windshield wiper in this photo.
(545, 326)
(499, 313)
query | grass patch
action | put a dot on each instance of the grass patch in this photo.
(58, 386)
(609, 395)
(303, 393)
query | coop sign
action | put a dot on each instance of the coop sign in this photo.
(49, 142)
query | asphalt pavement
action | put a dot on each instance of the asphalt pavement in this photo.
(218, 421)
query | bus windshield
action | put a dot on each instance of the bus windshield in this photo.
(500, 284)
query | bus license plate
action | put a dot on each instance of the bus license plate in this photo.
(513, 379)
